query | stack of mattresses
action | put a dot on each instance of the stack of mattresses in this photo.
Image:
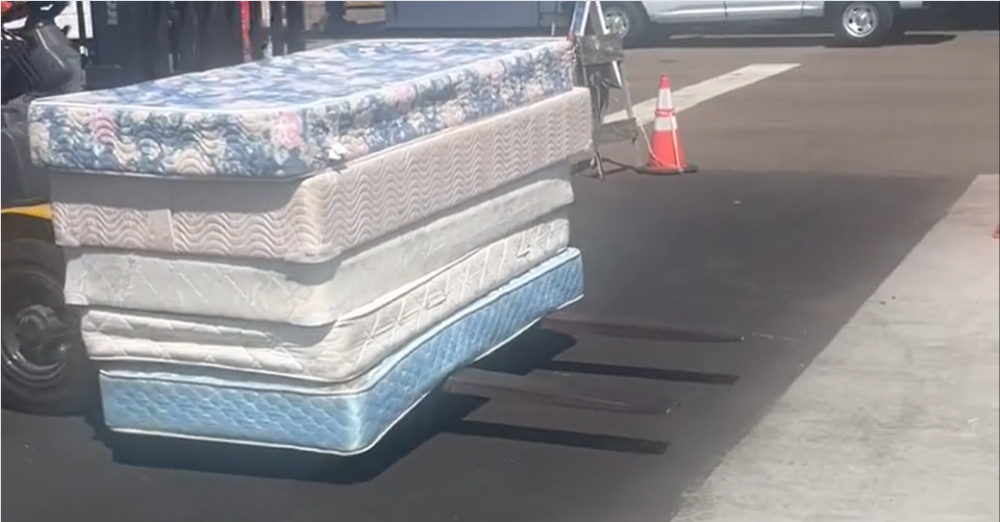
(294, 253)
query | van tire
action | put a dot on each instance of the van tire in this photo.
(862, 24)
(634, 16)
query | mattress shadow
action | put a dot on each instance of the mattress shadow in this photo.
(439, 414)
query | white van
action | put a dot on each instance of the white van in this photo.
(863, 23)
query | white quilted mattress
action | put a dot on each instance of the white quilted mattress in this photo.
(319, 218)
(309, 294)
(332, 353)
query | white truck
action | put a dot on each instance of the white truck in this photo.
(862, 23)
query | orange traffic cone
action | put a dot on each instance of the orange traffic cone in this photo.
(666, 155)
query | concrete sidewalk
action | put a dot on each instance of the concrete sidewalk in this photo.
(897, 420)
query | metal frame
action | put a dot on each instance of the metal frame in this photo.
(599, 57)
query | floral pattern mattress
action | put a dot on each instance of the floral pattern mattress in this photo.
(292, 116)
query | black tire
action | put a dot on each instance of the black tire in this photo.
(883, 16)
(636, 20)
(50, 377)
(897, 30)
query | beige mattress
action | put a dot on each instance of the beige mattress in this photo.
(309, 294)
(321, 217)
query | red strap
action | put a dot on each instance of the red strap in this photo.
(7, 6)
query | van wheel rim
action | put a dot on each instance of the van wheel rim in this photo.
(860, 19)
(617, 23)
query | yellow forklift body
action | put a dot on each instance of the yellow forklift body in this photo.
(34, 211)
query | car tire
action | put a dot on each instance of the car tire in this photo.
(898, 29)
(863, 24)
(44, 380)
(635, 23)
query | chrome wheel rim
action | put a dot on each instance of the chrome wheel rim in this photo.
(860, 19)
(616, 22)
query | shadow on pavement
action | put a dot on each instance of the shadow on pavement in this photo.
(438, 414)
(762, 41)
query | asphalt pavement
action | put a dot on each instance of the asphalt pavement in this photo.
(815, 183)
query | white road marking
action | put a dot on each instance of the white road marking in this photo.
(692, 95)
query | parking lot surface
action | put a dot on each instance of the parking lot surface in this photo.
(815, 184)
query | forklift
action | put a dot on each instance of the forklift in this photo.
(45, 366)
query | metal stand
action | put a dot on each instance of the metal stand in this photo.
(599, 57)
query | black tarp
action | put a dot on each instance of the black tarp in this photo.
(131, 42)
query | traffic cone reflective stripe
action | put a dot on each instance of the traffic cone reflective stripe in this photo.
(666, 155)
(665, 121)
(665, 95)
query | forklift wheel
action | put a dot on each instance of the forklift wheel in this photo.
(45, 366)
